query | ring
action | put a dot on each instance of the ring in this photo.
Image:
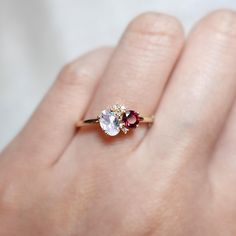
(117, 118)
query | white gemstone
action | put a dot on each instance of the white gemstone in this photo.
(109, 122)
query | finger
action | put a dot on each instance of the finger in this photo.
(135, 77)
(223, 160)
(201, 91)
(222, 165)
(51, 127)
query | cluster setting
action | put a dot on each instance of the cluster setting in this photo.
(117, 118)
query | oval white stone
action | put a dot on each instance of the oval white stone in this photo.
(109, 122)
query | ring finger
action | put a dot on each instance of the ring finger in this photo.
(135, 77)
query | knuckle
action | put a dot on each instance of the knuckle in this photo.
(8, 193)
(223, 22)
(87, 67)
(158, 28)
(74, 74)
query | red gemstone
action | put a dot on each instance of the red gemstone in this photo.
(131, 119)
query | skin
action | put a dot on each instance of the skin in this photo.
(176, 177)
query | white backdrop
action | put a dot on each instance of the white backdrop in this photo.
(38, 36)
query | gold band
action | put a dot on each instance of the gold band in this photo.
(82, 123)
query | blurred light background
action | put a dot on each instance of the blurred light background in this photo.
(38, 36)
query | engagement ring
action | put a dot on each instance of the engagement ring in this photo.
(117, 118)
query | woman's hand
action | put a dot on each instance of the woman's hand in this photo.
(175, 178)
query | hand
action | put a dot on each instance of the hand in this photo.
(175, 178)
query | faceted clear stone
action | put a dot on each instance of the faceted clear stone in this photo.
(109, 122)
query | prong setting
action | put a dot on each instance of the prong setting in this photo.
(117, 118)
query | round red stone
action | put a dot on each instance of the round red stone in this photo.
(130, 119)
